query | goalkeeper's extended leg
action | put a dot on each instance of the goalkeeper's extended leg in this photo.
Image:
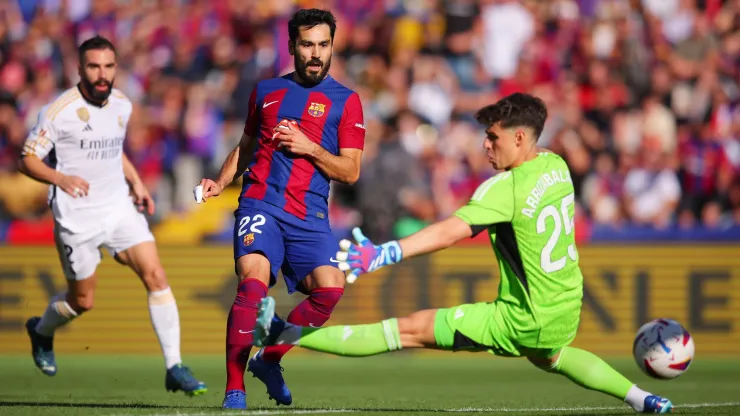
(414, 331)
(589, 371)
(418, 331)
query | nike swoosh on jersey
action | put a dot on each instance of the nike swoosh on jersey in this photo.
(265, 105)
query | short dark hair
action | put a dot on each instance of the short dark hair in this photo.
(310, 18)
(94, 43)
(515, 110)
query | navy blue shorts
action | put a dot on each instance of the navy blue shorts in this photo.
(290, 244)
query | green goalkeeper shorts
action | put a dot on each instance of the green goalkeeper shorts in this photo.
(483, 327)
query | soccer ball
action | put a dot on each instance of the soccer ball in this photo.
(663, 349)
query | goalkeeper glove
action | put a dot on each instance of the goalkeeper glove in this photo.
(364, 256)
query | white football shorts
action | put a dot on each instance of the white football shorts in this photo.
(117, 231)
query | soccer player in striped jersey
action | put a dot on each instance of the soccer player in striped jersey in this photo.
(82, 134)
(303, 130)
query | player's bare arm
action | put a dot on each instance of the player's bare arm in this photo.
(344, 168)
(129, 172)
(35, 168)
(234, 166)
(141, 195)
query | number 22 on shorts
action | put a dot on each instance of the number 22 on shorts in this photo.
(562, 219)
(256, 222)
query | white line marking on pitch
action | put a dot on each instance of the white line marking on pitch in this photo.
(452, 410)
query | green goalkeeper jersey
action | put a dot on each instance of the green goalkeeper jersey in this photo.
(528, 213)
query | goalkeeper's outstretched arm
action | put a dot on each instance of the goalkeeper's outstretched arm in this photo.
(366, 257)
(435, 237)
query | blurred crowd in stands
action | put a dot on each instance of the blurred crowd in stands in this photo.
(644, 99)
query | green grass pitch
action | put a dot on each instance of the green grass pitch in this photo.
(387, 385)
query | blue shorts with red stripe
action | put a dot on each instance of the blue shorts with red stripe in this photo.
(292, 245)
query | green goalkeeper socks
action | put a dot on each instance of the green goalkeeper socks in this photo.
(591, 372)
(582, 367)
(347, 340)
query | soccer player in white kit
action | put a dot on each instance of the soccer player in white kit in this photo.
(92, 185)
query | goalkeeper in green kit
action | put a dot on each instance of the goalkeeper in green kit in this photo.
(527, 210)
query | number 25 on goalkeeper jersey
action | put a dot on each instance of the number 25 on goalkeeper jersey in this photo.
(528, 212)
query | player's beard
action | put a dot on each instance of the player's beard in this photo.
(310, 79)
(95, 93)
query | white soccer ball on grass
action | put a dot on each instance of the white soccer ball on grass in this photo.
(663, 349)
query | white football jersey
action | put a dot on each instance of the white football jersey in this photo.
(85, 140)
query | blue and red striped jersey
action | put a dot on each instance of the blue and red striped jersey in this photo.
(329, 114)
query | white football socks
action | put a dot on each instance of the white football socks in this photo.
(166, 322)
(636, 398)
(57, 314)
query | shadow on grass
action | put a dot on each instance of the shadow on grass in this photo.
(267, 410)
(88, 405)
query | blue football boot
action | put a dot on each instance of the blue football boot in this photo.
(42, 348)
(271, 374)
(180, 377)
(657, 404)
(235, 399)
